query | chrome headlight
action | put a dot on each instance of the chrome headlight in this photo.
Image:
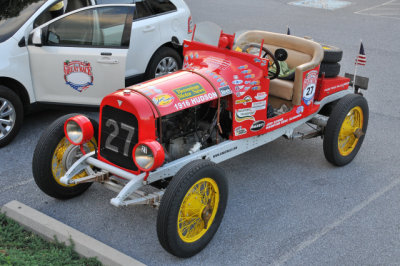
(78, 130)
(148, 155)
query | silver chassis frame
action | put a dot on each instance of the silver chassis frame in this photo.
(129, 193)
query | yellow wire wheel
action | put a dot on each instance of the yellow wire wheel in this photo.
(52, 158)
(65, 154)
(192, 208)
(346, 129)
(198, 209)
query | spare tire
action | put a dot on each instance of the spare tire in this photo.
(331, 70)
(332, 54)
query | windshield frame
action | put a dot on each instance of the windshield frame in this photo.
(9, 26)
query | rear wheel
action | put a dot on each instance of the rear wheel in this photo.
(11, 115)
(192, 208)
(52, 158)
(165, 61)
(346, 129)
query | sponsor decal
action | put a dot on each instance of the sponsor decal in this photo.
(244, 114)
(248, 71)
(163, 100)
(255, 82)
(246, 88)
(224, 152)
(300, 110)
(309, 86)
(225, 91)
(256, 88)
(196, 55)
(216, 62)
(240, 131)
(245, 100)
(195, 100)
(247, 82)
(243, 67)
(249, 76)
(237, 82)
(257, 60)
(337, 87)
(261, 96)
(258, 125)
(223, 83)
(189, 91)
(259, 105)
(235, 77)
(240, 93)
(150, 91)
(238, 88)
(78, 74)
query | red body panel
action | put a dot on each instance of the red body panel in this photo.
(210, 73)
(328, 86)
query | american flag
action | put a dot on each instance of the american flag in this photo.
(361, 58)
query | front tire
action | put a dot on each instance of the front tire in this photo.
(165, 61)
(52, 157)
(346, 128)
(192, 208)
(11, 115)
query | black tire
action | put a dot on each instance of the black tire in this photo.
(332, 54)
(331, 70)
(12, 123)
(42, 161)
(335, 122)
(167, 219)
(164, 53)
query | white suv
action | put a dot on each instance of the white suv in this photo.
(75, 52)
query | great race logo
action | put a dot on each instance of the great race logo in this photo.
(78, 74)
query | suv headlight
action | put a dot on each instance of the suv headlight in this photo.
(148, 155)
(78, 129)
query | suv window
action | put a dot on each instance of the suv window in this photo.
(103, 26)
(59, 8)
(161, 6)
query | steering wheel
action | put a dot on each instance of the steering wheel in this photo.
(267, 53)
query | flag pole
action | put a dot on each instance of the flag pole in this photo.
(355, 72)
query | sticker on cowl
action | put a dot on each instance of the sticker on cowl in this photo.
(189, 91)
(240, 131)
(78, 74)
(225, 91)
(259, 105)
(151, 90)
(245, 100)
(309, 86)
(216, 62)
(163, 100)
(245, 114)
(258, 125)
(261, 96)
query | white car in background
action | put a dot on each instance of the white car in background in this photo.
(74, 52)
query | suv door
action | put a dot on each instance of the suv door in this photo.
(83, 55)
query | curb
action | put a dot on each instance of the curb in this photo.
(49, 228)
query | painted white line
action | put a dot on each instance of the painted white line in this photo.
(369, 8)
(15, 185)
(313, 238)
(364, 14)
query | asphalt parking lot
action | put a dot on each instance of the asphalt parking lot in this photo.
(287, 204)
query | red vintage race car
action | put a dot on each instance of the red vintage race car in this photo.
(159, 142)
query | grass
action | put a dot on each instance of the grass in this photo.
(20, 247)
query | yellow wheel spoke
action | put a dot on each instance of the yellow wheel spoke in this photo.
(347, 141)
(200, 202)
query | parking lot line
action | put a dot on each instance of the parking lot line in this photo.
(317, 235)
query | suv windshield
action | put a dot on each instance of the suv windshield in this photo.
(13, 14)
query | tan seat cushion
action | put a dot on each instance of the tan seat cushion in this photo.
(303, 54)
(281, 88)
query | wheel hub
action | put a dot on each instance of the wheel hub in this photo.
(167, 65)
(206, 214)
(7, 117)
